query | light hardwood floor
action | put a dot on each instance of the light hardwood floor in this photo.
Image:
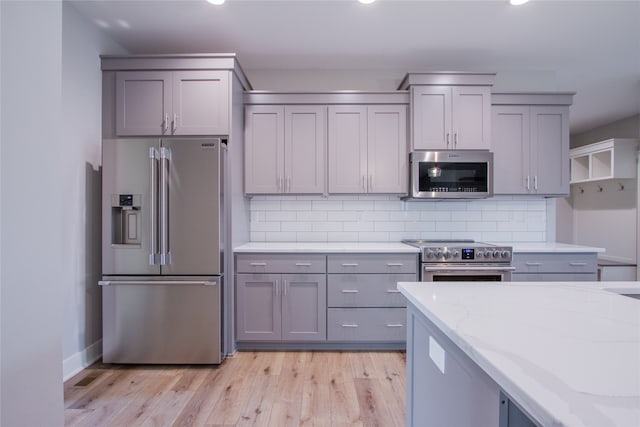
(249, 389)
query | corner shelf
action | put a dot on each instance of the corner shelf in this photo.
(611, 159)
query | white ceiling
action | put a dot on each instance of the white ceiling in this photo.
(590, 47)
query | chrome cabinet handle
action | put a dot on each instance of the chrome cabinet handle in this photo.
(533, 264)
(287, 183)
(393, 291)
(455, 139)
(303, 264)
(349, 325)
(577, 264)
(174, 123)
(277, 287)
(448, 138)
(284, 287)
(535, 182)
(394, 325)
(165, 124)
(527, 182)
(350, 264)
(157, 282)
(350, 291)
(257, 264)
(394, 264)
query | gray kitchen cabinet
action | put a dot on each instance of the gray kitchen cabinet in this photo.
(191, 102)
(367, 147)
(450, 110)
(285, 149)
(530, 144)
(364, 304)
(280, 298)
(554, 267)
(451, 118)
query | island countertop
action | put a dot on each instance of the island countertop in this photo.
(567, 352)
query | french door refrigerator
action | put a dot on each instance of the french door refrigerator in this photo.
(163, 228)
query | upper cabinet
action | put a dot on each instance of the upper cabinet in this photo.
(172, 103)
(165, 95)
(530, 143)
(450, 110)
(326, 143)
(368, 149)
(611, 159)
(285, 149)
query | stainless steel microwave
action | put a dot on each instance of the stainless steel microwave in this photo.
(451, 174)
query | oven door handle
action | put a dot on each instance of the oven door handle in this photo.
(468, 268)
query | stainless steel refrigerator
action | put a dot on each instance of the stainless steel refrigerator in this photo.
(163, 228)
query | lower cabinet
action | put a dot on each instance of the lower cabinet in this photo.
(366, 324)
(555, 267)
(273, 307)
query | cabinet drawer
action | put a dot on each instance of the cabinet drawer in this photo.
(366, 324)
(555, 263)
(372, 263)
(554, 277)
(366, 290)
(273, 263)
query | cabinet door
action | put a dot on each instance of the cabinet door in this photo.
(550, 150)
(431, 117)
(258, 307)
(304, 307)
(347, 149)
(200, 103)
(264, 149)
(510, 145)
(471, 117)
(387, 153)
(304, 149)
(143, 103)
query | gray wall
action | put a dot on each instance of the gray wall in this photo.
(604, 213)
(34, 178)
(82, 44)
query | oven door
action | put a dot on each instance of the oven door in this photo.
(465, 273)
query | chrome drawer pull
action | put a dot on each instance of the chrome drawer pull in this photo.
(577, 264)
(533, 264)
(349, 325)
(350, 265)
(395, 325)
(393, 291)
(350, 291)
(394, 264)
(258, 264)
(303, 264)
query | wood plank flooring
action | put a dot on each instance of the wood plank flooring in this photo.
(250, 389)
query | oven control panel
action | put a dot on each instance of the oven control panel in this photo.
(471, 254)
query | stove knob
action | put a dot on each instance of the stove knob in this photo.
(505, 254)
(487, 254)
(439, 254)
(447, 254)
(496, 254)
(479, 254)
(429, 254)
(455, 254)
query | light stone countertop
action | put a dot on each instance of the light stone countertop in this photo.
(567, 352)
(326, 247)
(393, 247)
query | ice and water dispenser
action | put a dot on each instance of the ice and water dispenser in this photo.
(126, 219)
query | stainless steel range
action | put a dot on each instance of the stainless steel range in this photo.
(463, 260)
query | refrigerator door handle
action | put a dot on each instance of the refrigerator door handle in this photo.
(165, 252)
(153, 208)
(158, 282)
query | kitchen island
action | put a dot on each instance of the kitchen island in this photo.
(528, 353)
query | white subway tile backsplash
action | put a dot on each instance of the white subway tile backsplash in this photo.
(386, 218)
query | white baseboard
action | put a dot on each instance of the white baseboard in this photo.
(79, 361)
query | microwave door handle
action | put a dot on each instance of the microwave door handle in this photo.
(153, 204)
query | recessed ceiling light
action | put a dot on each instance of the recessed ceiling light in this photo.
(517, 2)
(366, 1)
(216, 2)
